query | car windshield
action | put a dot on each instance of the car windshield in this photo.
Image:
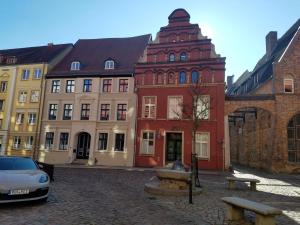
(17, 164)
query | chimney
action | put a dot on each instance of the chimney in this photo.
(271, 40)
(50, 44)
(229, 82)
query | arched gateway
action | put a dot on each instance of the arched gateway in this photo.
(83, 145)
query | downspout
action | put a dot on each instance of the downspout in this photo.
(41, 112)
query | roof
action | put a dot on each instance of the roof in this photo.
(92, 54)
(264, 67)
(40, 54)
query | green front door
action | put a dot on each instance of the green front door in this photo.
(173, 147)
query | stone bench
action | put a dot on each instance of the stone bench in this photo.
(233, 180)
(265, 215)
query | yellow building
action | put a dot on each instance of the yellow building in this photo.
(22, 81)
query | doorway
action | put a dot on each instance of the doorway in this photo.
(83, 146)
(173, 147)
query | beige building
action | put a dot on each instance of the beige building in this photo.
(22, 80)
(90, 105)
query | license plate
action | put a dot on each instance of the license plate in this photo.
(19, 192)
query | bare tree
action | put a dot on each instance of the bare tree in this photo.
(196, 110)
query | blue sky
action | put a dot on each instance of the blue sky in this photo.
(236, 27)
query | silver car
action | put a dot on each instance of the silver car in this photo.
(22, 180)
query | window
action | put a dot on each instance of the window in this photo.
(1, 122)
(160, 78)
(203, 105)
(87, 85)
(172, 57)
(63, 141)
(29, 142)
(20, 118)
(288, 86)
(49, 140)
(147, 144)
(55, 86)
(123, 85)
(195, 77)
(68, 110)
(121, 111)
(182, 77)
(255, 78)
(35, 96)
(174, 107)
(37, 74)
(70, 86)
(3, 86)
(119, 142)
(293, 139)
(102, 141)
(183, 56)
(202, 145)
(75, 65)
(109, 64)
(52, 111)
(17, 142)
(107, 83)
(1, 105)
(104, 111)
(25, 74)
(171, 78)
(149, 109)
(85, 112)
(32, 118)
(22, 96)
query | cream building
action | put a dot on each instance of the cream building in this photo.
(22, 80)
(90, 105)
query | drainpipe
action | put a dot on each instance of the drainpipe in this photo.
(36, 151)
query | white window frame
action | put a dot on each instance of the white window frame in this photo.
(32, 119)
(33, 96)
(17, 142)
(75, 65)
(201, 142)
(125, 141)
(37, 74)
(57, 90)
(103, 150)
(149, 105)
(52, 145)
(20, 118)
(3, 86)
(22, 97)
(26, 73)
(284, 84)
(178, 117)
(199, 109)
(109, 64)
(28, 145)
(141, 152)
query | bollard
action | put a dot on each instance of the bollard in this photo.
(190, 192)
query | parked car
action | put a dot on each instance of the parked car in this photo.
(22, 180)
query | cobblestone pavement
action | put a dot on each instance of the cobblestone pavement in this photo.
(113, 196)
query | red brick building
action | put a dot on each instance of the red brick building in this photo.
(179, 58)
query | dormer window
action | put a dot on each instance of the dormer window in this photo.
(109, 65)
(183, 56)
(75, 65)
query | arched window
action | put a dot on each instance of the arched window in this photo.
(172, 57)
(109, 65)
(75, 65)
(195, 77)
(183, 56)
(171, 78)
(288, 85)
(182, 77)
(293, 136)
(160, 78)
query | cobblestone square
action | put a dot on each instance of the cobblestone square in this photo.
(116, 196)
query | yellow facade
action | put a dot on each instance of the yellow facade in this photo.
(23, 135)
